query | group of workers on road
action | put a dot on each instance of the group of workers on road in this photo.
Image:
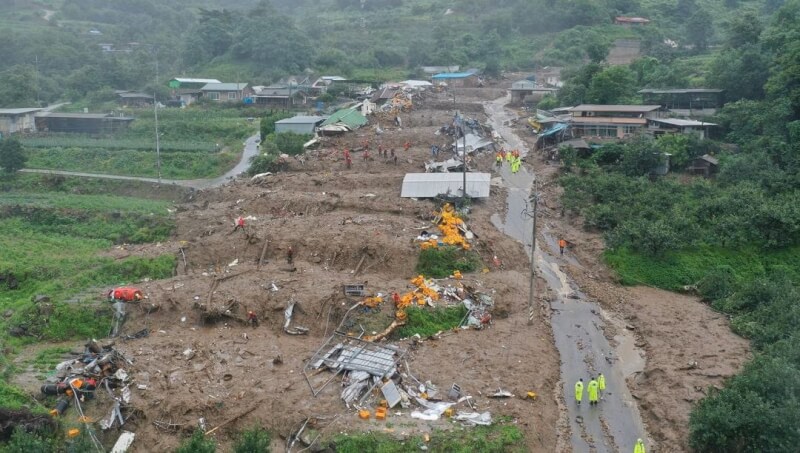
(512, 157)
(595, 389)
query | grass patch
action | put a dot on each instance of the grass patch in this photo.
(174, 165)
(50, 243)
(441, 262)
(676, 269)
(500, 437)
(46, 359)
(428, 321)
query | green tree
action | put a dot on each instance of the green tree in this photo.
(198, 443)
(12, 156)
(291, 143)
(19, 86)
(254, 440)
(743, 29)
(597, 50)
(613, 85)
(640, 157)
(742, 72)
(699, 29)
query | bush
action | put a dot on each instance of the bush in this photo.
(34, 442)
(291, 143)
(198, 443)
(441, 262)
(427, 322)
(254, 440)
(718, 283)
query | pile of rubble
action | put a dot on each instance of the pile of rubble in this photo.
(77, 381)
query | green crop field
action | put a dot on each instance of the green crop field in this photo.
(194, 143)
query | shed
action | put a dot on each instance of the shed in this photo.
(457, 79)
(81, 123)
(134, 99)
(349, 117)
(17, 120)
(299, 124)
(705, 165)
(659, 126)
(429, 185)
(186, 82)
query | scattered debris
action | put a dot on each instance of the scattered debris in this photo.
(287, 314)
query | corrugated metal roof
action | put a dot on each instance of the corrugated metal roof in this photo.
(429, 185)
(614, 108)
(135, 95)
(352, 118)
(680, 91)
(224, 87)
(19, 111)
(680, 122)
(606, 120)
(93, 116)
(453, 75)
(277, 92)
(188, 80)
(301, 120)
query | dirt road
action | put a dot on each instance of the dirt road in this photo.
(577, 325)
(250, 150)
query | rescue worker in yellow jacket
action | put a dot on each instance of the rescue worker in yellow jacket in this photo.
(601, 384)
(579, 391)
(592, 391)
(639, 448)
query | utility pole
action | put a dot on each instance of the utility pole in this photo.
(532, 292)
(155, 110)
(38, 82)
(460, 128)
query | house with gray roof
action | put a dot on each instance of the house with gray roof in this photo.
(227, 92)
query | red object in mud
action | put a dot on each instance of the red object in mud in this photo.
(126, 293)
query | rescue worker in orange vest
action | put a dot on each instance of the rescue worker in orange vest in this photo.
(499, 159)
(239, 223)
(406, 145)
(562, 244)
(290, 255)
(252, 319)
(396, 299)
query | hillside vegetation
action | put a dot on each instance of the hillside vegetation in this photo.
(59, 58)
(735, 238)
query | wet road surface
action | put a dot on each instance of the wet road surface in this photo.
(614, 424)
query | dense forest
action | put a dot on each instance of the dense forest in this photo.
(53, 51)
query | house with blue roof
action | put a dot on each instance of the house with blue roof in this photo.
(467, 79)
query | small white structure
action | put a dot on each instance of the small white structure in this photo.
(429, 185)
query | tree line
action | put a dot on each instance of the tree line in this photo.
(734, 238)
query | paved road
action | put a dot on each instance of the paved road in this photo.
(250, 150)
(615, 424)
